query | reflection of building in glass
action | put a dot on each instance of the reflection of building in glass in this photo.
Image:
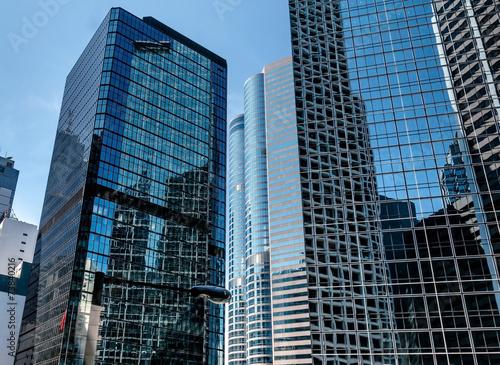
(348, 281)
(454, 174)
(424, 189)
(141, 199)
(451, 259)
(470, 31)
(397, 220)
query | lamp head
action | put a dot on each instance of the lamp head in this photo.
(215, 294)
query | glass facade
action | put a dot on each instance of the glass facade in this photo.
(8, 183)
(397, 122)
(136, 190)
(266, 240)
(290, 309)
(249, 233)
(257, 289)
(236, 328)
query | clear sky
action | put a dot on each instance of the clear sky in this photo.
(40, 40)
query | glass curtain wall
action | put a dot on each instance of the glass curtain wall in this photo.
(397, 105)
(138, 194)
(236, 329)
(257, 291)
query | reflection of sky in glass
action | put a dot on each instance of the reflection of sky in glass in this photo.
(166, 101)
(161, 147)
(395, 67)
(410, 70)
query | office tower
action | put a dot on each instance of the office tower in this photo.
(266, 225)
(8, 183)
(249, 333)
(397, 123)
(17, 243)
(290, 314)
(136, 190)
(236, 315)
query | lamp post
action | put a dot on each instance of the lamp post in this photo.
(212, 293)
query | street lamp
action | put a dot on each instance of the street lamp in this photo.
(212, 293)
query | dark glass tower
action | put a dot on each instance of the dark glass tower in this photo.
(8, 183)
(397, 121)
(136, 190)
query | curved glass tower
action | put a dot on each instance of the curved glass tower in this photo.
(267, 259)
(257, 291)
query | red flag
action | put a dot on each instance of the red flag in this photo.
(63, 320)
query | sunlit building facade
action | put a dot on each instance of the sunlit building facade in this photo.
(136, 190)
(17, 243)
(236, 245)
(249, 316)
(397, 124)
(265, 222)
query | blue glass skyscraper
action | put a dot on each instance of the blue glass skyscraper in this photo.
(136, 190)
(397, 122)
(249, 233)
(236, 329)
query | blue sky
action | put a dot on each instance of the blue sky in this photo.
(40, 40)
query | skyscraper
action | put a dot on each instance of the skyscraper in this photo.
(236, 245)
(8, 183)
(397, 122)
(136, 190)
(250, 333)
(382, 188)
(17, 243)
(266, 230)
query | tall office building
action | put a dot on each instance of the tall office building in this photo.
(136, 190)
(236, 245)
(266, 224)
(8, 183)
(17, 243)
(382, 189)
(397, 123)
